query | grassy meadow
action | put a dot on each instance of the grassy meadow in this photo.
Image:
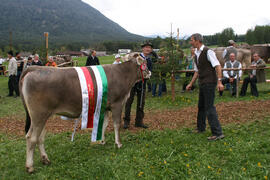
(166, 154)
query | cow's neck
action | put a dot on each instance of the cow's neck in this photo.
(131, 73)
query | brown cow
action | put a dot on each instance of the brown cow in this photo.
(243, 56)
(46, 91)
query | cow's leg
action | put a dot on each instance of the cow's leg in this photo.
(43, 155)
(32, 138)
(105, 124)
(116, 116)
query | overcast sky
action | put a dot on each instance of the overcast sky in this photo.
(152, 17)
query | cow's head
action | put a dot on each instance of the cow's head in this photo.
(143, 71)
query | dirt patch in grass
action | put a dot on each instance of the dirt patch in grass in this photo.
(229, 112)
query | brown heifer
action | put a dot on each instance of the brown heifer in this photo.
(46, 91)
(243, 56)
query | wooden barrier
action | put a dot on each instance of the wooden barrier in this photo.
(72, 63)
(231, 69)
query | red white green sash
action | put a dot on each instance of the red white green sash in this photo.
(93, 113)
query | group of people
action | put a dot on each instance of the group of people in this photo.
(16, 65)
(230, 77)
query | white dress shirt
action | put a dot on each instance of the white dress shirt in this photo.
(1, 61)
(115, 62)
(228, 73)
(211, 56)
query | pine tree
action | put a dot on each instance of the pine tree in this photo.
(170, 61)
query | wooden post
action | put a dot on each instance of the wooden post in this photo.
(237, 83)
(46, 34)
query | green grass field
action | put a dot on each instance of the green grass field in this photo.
(167, 154)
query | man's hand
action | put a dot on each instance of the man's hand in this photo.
(189, 86)
(220, 86)
(231, 80)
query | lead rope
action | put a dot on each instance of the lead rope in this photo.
(142, 86)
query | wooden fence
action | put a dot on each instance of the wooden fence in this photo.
(231, 69)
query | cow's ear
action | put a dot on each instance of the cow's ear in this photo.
(140, 60)
(135, 55)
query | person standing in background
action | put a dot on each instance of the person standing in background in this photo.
(51, 62)
(190, 66)
(12, 75)
(117, 59)
(36, 61)
(92, 59)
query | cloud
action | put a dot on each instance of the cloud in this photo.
(146, 17)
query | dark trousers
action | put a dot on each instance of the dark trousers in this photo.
(207, 109)
(139, 110)
(253, 86)
(13, 85)
(227, 81)
(149, 86)
(1, 70)
(161, 88)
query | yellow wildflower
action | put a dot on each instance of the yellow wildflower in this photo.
(259, 164)
(165, 162)
(187, 165)
(265, 177)
(140, 173)
(209, 167)
(244, 169)
(185, 154)
(225, 143)
(230, 149)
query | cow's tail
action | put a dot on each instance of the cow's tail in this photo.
(22, 92)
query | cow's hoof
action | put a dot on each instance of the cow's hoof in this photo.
(119, 145)
(30, 170)
(103, 142)
(45, 160)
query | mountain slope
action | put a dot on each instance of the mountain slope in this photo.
(67, 21)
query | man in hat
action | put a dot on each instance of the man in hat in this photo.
(12, 75)
(139, 89)
(208, 70)
(117, 59)
(230, 49)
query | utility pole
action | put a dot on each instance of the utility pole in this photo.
(46, 34)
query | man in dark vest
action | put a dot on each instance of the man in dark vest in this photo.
(208, 70)
(139, 89)
(231, 76)
(255, 76)
(92, 59)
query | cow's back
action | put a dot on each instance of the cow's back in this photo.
(55, 89)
